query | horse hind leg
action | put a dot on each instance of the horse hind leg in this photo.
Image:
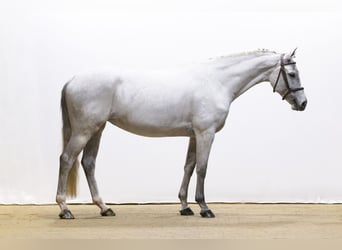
(67, 160)
(188, 171)
(88, 162)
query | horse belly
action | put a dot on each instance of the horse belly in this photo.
(154, 122)
(153, 130)
(154, 118)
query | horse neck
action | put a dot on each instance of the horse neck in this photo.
(240, 75)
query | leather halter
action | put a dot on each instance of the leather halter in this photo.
(283, 72)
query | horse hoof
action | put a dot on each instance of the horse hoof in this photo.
(186, 211)
(66, 214)
(108, 212)
(207, 214)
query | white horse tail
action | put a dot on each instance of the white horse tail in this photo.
(72, 181)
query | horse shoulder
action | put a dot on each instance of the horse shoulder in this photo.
(211, 105)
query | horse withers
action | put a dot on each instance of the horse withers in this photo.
(190, 102)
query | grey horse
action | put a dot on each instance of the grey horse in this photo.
(192, 102)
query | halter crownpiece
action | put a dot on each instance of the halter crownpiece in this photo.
(283, 72)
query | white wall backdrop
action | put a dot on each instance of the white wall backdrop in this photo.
(266, 152)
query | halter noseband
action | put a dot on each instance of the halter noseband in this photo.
(284, 74)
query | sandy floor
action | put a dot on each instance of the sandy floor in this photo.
(233, 221)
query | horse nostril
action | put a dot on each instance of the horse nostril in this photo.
(304, 105)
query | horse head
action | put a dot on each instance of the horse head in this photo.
(288, 84)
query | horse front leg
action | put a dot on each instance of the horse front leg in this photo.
(190, 164)
(204, 141)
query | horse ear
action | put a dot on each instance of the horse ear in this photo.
(294, 52)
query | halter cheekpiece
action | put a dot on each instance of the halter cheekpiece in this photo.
(283, 72)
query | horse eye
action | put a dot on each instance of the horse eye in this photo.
(292, 74)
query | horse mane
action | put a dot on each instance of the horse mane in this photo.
(229, 60)
(258, 52)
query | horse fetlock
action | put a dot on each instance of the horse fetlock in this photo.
(60, 199)
(97, 200)
(199, 199)
(182, 195)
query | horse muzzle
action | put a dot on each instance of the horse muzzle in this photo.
(301, 106)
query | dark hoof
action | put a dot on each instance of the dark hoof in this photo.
(207, 214)
(108, 212)
(186, 211)
(66, 214)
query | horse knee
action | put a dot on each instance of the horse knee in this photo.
(188, 171)
(201, 172)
